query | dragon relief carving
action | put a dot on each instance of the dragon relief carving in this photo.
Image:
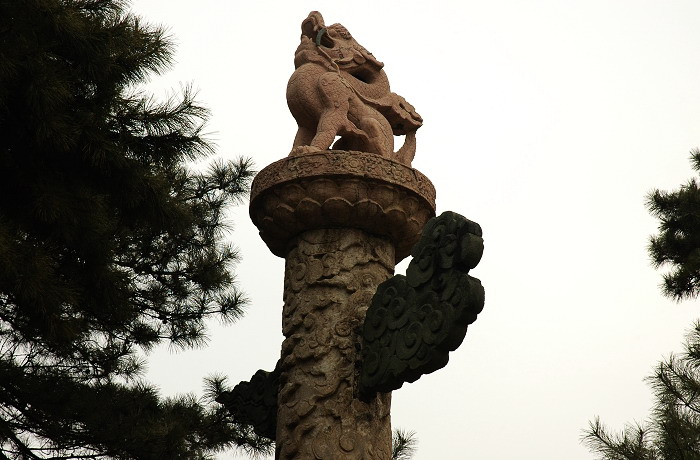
(330, 277)
(340, 89)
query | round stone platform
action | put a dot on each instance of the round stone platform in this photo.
(340, 189)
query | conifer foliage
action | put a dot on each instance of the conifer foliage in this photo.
(108, 241)
(678, 243)
(673, 429)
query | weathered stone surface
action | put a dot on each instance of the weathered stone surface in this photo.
(330, 277)
(338, 189)
(340, 89)
(414, 321)
(254, 403)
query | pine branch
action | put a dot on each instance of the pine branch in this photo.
(403, 444)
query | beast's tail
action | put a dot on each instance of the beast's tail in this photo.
(408, 150)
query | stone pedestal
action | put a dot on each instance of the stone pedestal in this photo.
(341, 220)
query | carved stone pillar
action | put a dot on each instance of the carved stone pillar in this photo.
(341, 220)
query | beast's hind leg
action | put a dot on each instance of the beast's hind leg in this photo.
(380, 138)
(335, 96)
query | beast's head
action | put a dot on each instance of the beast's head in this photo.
(336, 44)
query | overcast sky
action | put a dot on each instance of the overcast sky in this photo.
(547, 122)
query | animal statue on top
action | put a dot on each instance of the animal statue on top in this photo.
(340, 89)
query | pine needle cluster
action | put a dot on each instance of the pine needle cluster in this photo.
(403, 444)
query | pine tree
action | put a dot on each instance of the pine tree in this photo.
(109, 242)
(673, 430)
(678, 242)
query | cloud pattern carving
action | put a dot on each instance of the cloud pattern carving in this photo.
(415, 320)
(254, 403)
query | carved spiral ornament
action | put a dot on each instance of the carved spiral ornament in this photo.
(414, 321)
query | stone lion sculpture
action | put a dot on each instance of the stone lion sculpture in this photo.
(340, 89)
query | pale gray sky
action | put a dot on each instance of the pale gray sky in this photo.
(545, 121)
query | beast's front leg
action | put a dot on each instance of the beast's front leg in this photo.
(302, 140)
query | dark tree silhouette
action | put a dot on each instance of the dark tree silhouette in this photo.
(109, 242)
(678, 243)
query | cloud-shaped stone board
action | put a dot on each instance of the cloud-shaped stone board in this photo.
(414, 321)
(254, 403)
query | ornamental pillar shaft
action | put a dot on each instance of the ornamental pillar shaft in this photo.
(330, 278)
(341, 220)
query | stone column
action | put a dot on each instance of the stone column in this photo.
(341, 220)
